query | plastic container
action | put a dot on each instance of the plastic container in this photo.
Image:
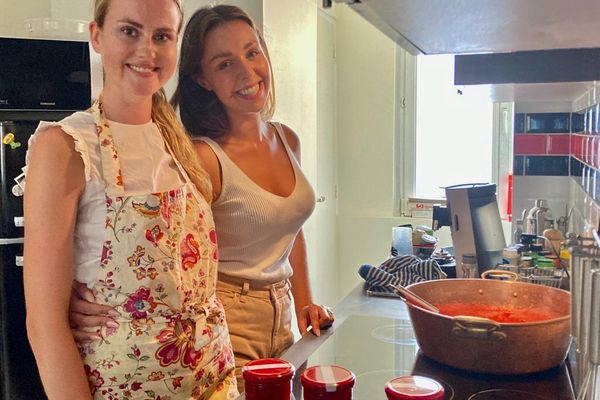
(327, 382)
(468, 266)
(402, 240)
(268, 378)
(414, 387)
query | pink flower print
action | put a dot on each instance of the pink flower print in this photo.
(212, 235)
(140, 303)
(106, 253)
(189, 252)
(154, 235)
(106, 142)
(178, 345)
(94, 379)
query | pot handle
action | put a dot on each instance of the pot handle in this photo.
(477, 328)
(500, 274)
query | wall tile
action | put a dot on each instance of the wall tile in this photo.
(518, 165)
(576, 141)
(547, 165)
(519, 126)
(576, 167)
(577, 122)
(548, 123)
(558, 144)
(530, 144)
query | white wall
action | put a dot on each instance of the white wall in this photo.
(367, 211)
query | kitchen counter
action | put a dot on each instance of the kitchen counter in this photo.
(373, 337)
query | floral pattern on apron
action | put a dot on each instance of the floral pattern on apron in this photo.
(158, 268)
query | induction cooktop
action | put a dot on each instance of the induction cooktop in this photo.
(378, 349)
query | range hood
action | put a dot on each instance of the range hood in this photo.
(506, 31)
(484, 26)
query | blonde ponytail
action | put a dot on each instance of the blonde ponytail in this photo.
(180, 143)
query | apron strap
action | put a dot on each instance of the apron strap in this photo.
(111, 167)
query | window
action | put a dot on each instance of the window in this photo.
(454, 141)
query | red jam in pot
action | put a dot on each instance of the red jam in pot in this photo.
(501, 314)
(414, 388)
(327, 382)
(268, 378)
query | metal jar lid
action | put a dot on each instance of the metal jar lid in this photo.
(414, 387)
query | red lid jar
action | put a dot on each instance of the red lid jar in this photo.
(327, 382)
(268, 378)
(414, 388)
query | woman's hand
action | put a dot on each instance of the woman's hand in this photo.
(316, 315)
(84, 312)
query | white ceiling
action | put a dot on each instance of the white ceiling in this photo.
(484, 26)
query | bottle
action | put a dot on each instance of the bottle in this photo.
(414, 387)
(327, 382)
(468, 267)
(268, 378)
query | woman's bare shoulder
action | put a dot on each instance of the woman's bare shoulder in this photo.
(292, 139)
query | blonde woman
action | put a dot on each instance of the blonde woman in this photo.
(117, 192)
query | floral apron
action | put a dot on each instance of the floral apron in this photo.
(158, 269)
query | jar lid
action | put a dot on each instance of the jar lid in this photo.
(267, 370)
(414, 388)
(328, 378)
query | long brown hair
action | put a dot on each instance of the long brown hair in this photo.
(166, 119)
(200, 110)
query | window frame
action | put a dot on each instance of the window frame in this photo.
(405, 142)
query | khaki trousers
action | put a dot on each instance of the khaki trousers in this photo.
(259, 317)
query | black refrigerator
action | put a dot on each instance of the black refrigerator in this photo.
(30, 91)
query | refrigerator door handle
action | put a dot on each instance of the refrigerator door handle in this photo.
(11, 241)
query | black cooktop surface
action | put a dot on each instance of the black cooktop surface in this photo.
(378, 349)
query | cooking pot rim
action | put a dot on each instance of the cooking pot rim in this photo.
(506, 324)
(492, 282)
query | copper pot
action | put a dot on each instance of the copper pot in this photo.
(483, 345)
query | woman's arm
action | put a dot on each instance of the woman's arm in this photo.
(307, 313)
(55, 181)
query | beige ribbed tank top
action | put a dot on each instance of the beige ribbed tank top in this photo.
(256, 228)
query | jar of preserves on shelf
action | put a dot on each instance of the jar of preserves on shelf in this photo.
(268, 378)
(414, 387)
(327, 382)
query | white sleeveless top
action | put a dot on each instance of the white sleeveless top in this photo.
(256, 228)
(146, 166)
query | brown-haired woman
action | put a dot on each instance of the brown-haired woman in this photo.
(121, 196)
(225, 96)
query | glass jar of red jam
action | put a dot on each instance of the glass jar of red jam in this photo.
(414, 387)
(327, 382)
(268, 378)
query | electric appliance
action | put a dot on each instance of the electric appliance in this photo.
(38, 74)
(472, 213)
(39, 80)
